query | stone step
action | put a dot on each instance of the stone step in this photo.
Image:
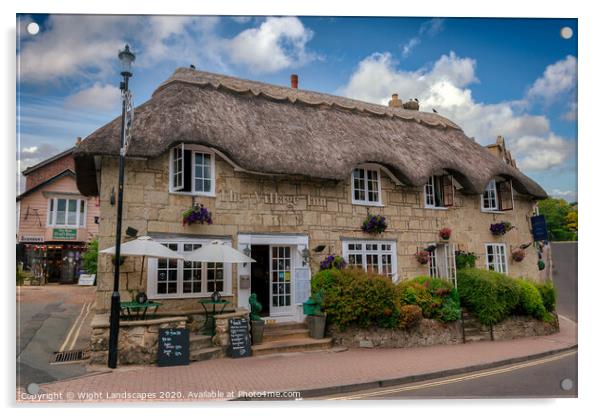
(198, 341)
(282, 326)
(202, 354)
(284, 334)
(291, 345)
(475, 338)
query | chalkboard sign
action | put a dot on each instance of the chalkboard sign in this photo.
(174, 347)
(539, 228)
(240, 341)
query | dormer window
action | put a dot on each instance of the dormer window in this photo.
(365, 186)
(439, 192)
(498, 196)
(192, 170)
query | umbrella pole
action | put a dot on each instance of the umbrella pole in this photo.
(141, 272)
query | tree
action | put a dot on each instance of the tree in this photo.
(90, 257)
(561, 219)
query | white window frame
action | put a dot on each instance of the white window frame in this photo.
(500, 260)
(194, 149)
(443, 258)
(151, 282)
(429, 191)
(380, 252)
(491, 189)
(365, 169)
(51, 217)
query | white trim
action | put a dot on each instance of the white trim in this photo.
(497, 252)
(363, 252)
(194, 149)
(151, 275)
(491, 184)
(366, 202)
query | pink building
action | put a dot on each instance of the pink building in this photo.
(55, 222)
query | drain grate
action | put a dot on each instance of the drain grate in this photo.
(65, 357)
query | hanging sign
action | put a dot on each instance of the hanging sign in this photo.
(539, 228)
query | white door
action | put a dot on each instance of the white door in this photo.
(281, 274)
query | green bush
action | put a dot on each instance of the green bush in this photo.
(465, 259)
(548, 295)
(351, 296)
(90, 257)
(437, 298)
(490, 295)
(530, 302)
(409, 316)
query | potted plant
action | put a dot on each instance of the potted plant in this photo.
(500, 228)
(374, 224)
(316, 319)
(198, 214)
(333, 262)
(518, 254)
(445, 233)
(257, 324)
(422, 256)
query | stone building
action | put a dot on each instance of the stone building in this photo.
(54, 221)
(289, 177)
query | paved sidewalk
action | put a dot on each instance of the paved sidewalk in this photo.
(297, 372)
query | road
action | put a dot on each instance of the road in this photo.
(542, 378)
(564, 274)
(46, 317)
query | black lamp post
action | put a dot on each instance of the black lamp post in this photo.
(127, 58)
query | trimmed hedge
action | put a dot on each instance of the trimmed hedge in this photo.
(352, 296)
(548, 295)
(490, 295)
(530, 302)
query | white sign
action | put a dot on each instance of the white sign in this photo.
(31, 238)
(86, 279)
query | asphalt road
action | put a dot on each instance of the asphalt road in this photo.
(564, 274)
(45, 317)
(542, 378)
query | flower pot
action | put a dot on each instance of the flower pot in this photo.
(257, 328)
(317, 326)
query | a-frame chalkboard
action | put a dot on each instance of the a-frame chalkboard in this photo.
(173, 347)
(240, 340)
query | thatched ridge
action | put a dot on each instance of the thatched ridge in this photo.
(277, 130)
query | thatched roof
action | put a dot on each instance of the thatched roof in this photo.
(277, 130)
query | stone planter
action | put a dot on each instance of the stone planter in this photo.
(317, 326)
(257, 328)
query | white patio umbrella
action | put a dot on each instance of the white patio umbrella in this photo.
(218, 252)
(144, 246)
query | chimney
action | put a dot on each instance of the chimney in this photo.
(78, 141)
(411, 104)
(294, 81)
(394, 101)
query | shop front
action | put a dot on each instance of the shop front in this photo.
(54, 262)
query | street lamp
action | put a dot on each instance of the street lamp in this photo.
(126, 57)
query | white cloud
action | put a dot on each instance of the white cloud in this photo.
(276, 44)
(429, 28)
(241, 19)
(445, 86)
(98, 97)
(571, 113)
(557, 79)
(409, 46)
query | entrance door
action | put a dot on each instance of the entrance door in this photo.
(280, 277)
(260, 276)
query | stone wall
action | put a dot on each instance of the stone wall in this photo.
(321, 209)
(138, 340)
(523, 326)
(428, 332)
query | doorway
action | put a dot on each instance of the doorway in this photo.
(260, 276)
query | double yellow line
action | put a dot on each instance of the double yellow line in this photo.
(76, 328)
(456, 379)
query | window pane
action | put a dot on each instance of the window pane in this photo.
(61, 211)
(82, 209)
(72, 212)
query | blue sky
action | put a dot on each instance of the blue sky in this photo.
(510, 77)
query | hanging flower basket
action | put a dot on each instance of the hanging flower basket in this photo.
(518, 254)
(374, 224)
(333, 262)
(445, 233)
(196, 215)
(422, 256)
(500, 228)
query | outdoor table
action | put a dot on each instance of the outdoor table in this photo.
(140, 308)
(210, 321)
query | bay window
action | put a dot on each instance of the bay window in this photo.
(66, 212)
(374, 256)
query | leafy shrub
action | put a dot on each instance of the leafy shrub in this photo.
(90, 257)
(352, 296)
(530, 302)
(490, 295)
(409, 316)
(548, 295)
(465, 259)
(437, 298)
